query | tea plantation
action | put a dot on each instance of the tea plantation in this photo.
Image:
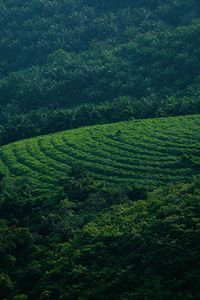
(150, 153)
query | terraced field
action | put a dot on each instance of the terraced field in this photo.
(144, 153)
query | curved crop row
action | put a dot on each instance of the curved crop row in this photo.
(145, 152)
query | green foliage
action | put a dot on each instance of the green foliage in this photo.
(104, 246)
(141, 153)
(6, 286)
(148, 250)
(109, 211)
(20, 297)
(58, 54)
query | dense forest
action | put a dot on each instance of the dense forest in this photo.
(57, 55)
(64, 233)
(88, 242)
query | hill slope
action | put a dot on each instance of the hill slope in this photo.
(149, 153)
(61, 54)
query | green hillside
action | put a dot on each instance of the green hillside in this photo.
(58, 56)
(149, 153)
(100, 150)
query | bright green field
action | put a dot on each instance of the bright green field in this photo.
(144, 153)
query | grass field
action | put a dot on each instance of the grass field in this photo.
(144, 153)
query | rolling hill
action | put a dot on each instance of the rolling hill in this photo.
(150, 153)
(57, 57)
(100, 150)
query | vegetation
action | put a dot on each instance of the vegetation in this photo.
(58, 54)
(18, 126)
(89, 242)
(167, 152)
(106, 211)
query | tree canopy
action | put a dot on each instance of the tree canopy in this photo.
(59, 54)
